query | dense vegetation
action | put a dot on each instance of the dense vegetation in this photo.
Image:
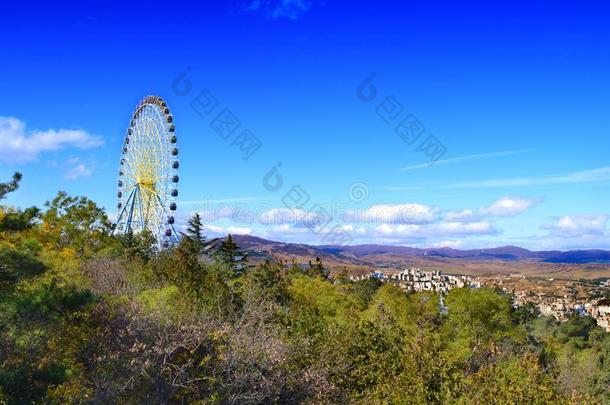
(90, 318)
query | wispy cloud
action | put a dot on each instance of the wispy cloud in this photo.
(18, 146)
(479, 156)
(76, 168)
(226, 200)
(598, 175)
(276, 9)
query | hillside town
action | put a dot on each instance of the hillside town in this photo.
(557, 298)
(414, 279)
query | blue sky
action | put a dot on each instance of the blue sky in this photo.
(516, 96)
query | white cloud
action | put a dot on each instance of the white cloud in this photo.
(578, 226)
(510, 206)
(463, 215)
(443, 229)
(233, 230)
(394, 214)
(79, 170)
(18, 146)
(453, 244)
(503, 207)
(402, 223)
(402, 231)
(238, 230)
(436, 230)
(399, 214)
(291, 216)
(288, 233)
(218, 213)
(353, 230)
(287, 229)
(75, 168)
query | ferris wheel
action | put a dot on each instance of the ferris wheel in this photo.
(148, 173)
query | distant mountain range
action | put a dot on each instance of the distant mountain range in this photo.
(382, 254)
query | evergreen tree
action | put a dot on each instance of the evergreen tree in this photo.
(317, 269)
(141, 245)
(229, 253)
(194, 232)
(186, 270)
(10, 186)
(15, 219)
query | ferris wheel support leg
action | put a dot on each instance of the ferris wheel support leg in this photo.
(142, 224)
(133, 203)
(118, 220)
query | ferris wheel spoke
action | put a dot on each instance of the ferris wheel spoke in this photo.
(131, 177)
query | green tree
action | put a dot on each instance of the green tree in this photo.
(188, 267)
(18, 220)
(77, 223)
(10, 186)
(514, 381)
(365, 289)
(138, 246)
(14, 219)
(267, 280)
(230, 254)
(479, 319)
(317, 269)
(526, 313)
(195, 233)
(15, 265)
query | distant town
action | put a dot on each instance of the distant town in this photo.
(558, 298)
(414, 279)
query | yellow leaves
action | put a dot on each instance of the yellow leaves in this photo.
(74, 391)
(166, 303)
(68, 253)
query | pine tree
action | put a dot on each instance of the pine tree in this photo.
(15, 219)
(10, 186)
(195, 229)
(187, 271)
(140, 246)
(194, 232)
(229, 253)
